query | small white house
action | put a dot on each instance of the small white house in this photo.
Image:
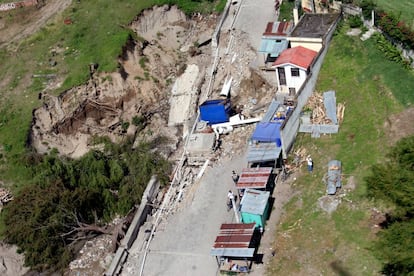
(292, 67)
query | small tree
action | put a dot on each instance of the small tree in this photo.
(367, 7)
(393, 184)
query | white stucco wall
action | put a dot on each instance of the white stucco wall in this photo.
(291, 82)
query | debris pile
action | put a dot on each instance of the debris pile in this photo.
(319, 116)
(299, 157)
(5, 196)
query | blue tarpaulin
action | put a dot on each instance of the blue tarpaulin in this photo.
(267, 132)
(215, 111)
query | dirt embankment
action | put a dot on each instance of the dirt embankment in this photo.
(136, 98)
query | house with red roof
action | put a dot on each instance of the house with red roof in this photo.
(292, 67)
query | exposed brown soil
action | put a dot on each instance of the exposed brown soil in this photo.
(140, 88)
(400, 125)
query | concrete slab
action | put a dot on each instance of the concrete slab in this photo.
(183, 96)
(200, 143)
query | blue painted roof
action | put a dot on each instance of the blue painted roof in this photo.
(267, 132)
(273, 46)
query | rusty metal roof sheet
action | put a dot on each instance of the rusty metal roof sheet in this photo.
(278, 28)
(234, 240)
(254, 178)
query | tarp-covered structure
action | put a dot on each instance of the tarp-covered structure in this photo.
(267, 132)
(215, 111)
(266, 141)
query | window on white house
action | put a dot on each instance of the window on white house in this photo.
(294, 72)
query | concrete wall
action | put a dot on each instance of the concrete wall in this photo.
(216, 34)
(144, 209)
(312, 45)
(290, 127)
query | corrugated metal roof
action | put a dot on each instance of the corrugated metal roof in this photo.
(273, 46)
(278, 28)
(329, 100)
(233, 252)
(299, 56)
(254, 201)
(254, 178)
(263, 152)
(234, 240)
(270, 113)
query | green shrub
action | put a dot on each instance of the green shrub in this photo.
(355, 21)
(46, 217)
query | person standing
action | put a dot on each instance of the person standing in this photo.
(235, 177)
(230, 196)
(310, 163)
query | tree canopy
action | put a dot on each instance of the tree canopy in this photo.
(393, 183)
(71, 199)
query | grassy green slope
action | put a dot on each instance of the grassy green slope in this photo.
(372, 88)
(96, 35)
(405, 8)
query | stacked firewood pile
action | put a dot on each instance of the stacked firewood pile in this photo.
(5, 196)
(315, 103)
(298, 158)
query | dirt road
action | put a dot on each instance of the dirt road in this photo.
(27, 25)
(182, 244)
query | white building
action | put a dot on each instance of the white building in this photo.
(292, 67)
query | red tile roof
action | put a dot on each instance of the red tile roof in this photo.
(299, 56)
(254, 178)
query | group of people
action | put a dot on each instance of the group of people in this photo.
(230, 194)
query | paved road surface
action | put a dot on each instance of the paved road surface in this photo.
(182, 244)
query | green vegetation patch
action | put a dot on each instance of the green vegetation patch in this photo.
(71, 200)
(404, 8)
(86, 32)
(372, 89)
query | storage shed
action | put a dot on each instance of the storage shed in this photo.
(234, 247)
(254, 207)
(215, 111)
(254, 178)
